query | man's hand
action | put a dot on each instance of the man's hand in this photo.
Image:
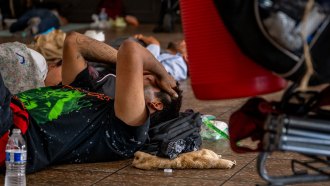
(147, 39)
(167, 84)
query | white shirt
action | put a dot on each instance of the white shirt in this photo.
(174, 64)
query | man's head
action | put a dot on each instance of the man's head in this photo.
(171, 107)
(161, 105)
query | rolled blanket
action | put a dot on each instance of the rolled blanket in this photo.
(201, 159)
(50, 45)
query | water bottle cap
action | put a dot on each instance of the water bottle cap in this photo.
(16, 131)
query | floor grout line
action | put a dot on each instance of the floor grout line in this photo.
(239, 171)
(111, 174)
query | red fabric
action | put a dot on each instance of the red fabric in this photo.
(20, 117)
(249, 121)
(324, 98)
(21, 120)
(114, 8)
(3, 143)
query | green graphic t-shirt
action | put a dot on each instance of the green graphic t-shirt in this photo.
(72, 125)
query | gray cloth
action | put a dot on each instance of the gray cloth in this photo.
(19, 70)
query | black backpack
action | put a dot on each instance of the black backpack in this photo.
(253, 26)
(171, 138)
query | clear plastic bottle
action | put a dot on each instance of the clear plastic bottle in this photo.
(16, 155)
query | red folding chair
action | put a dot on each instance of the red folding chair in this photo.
(217, 67)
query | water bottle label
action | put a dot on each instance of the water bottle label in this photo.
(17, 157)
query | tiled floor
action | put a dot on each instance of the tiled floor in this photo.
(122, 173)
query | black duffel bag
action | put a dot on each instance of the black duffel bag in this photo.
(179, 135)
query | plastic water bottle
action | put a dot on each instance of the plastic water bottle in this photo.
(16, 155)
(103, 16)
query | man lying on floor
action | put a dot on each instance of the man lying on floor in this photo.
(68, 124)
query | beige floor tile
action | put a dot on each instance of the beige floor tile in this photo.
(95, 167)
(151, 180)
(65, 177)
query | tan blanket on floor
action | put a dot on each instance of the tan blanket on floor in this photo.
(201, 159)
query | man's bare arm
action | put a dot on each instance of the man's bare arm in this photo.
(77, 49)
(133, 61)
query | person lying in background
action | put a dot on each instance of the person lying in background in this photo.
(174, 58)
(38, 20)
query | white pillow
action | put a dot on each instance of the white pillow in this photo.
(40, 62)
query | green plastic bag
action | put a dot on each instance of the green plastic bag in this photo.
(212, 129)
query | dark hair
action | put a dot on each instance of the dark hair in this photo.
(171, 107)
(172, 46)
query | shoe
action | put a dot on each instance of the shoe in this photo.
(120, 22)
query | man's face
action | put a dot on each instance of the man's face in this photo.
(150, 87)
(54, 75)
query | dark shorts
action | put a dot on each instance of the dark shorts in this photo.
(87, 80)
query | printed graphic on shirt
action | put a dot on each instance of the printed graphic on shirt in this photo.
(47, 104)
